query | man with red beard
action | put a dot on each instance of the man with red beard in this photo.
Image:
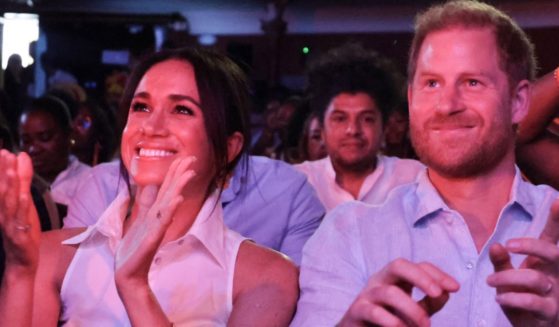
(469, 243)
(353, 91)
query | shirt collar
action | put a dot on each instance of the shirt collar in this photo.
(208, 228)
(429, 201)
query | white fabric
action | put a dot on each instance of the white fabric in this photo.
(66, 183)
(389, 173)
(192, 277)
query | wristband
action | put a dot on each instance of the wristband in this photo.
(556, 76)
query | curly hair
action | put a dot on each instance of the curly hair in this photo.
(352, 69)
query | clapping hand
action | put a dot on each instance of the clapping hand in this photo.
(529, 295)
(386, 300)
(19, 221)
(156, 207)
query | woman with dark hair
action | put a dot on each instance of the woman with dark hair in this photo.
(161, 256)
(44, 133)
(311, 143)
(93, 134)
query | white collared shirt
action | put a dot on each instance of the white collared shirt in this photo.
(389, 173)
(191, 277)
(66, 183)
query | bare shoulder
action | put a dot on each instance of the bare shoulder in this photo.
(54, 256)
(265, 287)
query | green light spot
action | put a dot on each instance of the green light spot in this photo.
(306, 50)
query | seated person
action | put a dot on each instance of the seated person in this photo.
(469, 243)
(311, 143)
(354, 90)
(161, 256)
(44, 133)
(268, 202)
(93, 134)
(537, 150)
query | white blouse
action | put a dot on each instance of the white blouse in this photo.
(191, 277)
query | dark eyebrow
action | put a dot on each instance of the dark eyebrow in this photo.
(174, 97)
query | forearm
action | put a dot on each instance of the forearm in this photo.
(142, 307)
(16, 297)
(543, 106)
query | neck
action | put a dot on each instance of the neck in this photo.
(478, 199)
(352, 180)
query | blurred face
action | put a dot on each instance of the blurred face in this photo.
(315, 144)
(45, 142)
(285, 114)
(166, 122)
(82, 128)
(352, 131)
(461, 109)
(396, 129)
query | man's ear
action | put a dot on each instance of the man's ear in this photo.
(234, 145)
(520, 101)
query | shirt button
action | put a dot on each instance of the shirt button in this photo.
(181, 242)
(481, 323)
(157, 260)
(448, 220)
(469, 266)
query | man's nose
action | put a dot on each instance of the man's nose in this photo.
(449, 100)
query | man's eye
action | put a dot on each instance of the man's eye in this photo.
(473, 82)
(139, 106)
(184, 110)
(338, 118)
(432, 83)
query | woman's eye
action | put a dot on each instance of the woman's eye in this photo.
(139, 106)
(184, 110)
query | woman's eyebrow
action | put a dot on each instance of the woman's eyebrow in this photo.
(181, 97)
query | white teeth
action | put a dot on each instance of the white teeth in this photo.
(154, 153)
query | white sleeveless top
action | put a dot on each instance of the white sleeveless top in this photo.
(192, 277)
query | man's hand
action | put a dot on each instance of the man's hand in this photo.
(386, 300)
(529, 295)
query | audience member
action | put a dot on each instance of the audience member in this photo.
(537, 147)
(354, 90)
(44, 133)
(397, 141)
(46, 208)
(14, 87)
(272, 141)
(465, 244)
(93, 135)
(311, 143)
(184, 134)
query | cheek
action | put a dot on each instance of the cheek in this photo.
(125, 151)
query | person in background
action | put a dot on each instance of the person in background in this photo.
(354, 90)
(537, 150)
(311, 143)
(44, 133)
(93, 135)
(469, 243)
(160, 256)
(397, 141)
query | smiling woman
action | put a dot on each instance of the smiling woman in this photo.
(163, 256)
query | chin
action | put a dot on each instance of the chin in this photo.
(145, 179)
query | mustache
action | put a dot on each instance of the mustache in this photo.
(453, 121)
